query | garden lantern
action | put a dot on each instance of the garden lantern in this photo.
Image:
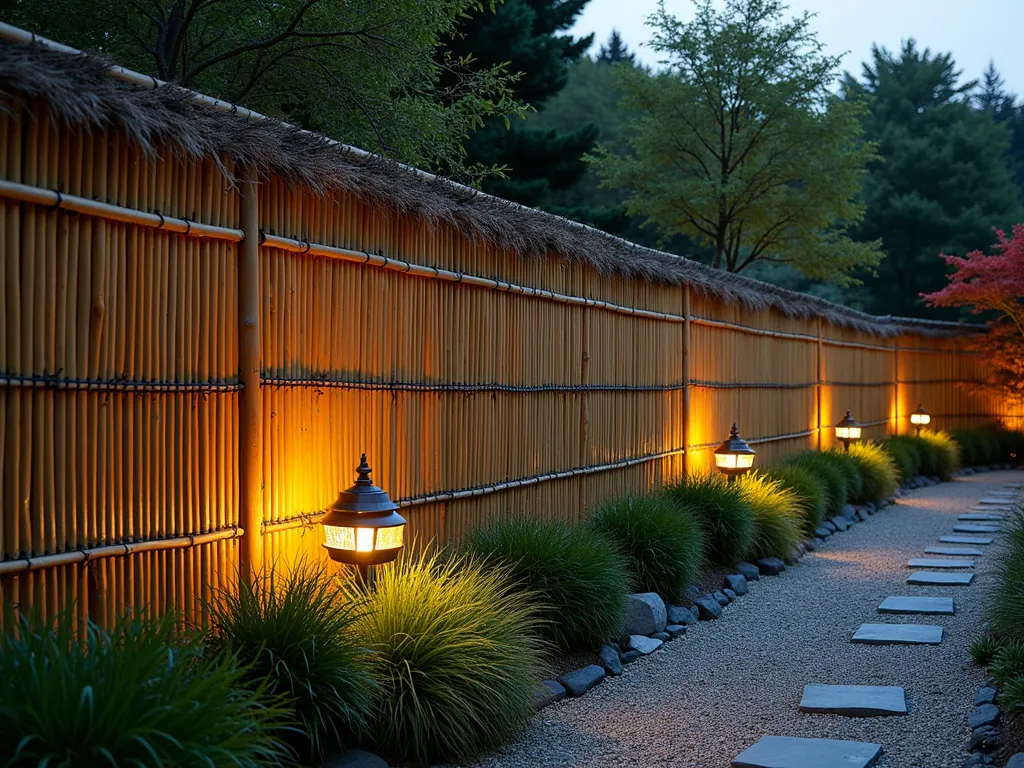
(734, 457)
(362, 527)
(848, 429)
(920, 418)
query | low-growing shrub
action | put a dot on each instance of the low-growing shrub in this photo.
(662, 541)
(989, 445)
(825, 469)
(128, 697)
(905, 455)
(1008, 662)
(577, 575)
(456, 657)
(1006, 597)
(929, 454)
(777, 515)
(293, 634)
(971, 450)
(850, 470)
(1012, 697)
(878, 472)
(809, 489)
(727, 521)
(983, 649)
(946, 453)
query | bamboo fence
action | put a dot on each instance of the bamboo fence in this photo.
(191, 366)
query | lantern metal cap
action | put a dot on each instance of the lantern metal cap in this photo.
(848, 421)
(363, 497)
(921, 410)
(735, 445)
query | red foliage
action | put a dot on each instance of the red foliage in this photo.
(993, 283)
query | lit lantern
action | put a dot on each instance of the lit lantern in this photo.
(362, 527)
(920, 418)
(848, 429)
(734, 457)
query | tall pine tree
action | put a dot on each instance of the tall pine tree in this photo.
(993, 98)
(941, 183)
(615, 51)
(529, 36)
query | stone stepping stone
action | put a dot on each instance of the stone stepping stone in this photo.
(940, 579)
(966, 539)
(962, 551)
(978, 517)
(925, 606)
(970, 528)
(898, 634)
(938, 562)
(992, 500)
(854, 700)
(794, 752)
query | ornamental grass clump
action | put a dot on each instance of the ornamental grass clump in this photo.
(73, 696)
(294, 636)
(1006, 598)
(905, 454)
(929, 454)
(972, 451)
(824, 468)
(1008, 662)
(727, 522)
(456, 657)
(851, 472)
(878, 472)
(984, 649)
(946, 454)
(577, 575)
(778, 517)
(810, 491)
(663, 542)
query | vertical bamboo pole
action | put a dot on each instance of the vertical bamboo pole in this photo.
(820, 377)
(687, 322)
(896, 384)
(250, 422)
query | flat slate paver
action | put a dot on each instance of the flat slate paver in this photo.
(971, 528)
(854, 700)
(962, 551)
(966, 539)
(978, 517)
(940, 579)
(793, 752)
(898, 634)
(925, 606)
(992, 500)
(938, 562)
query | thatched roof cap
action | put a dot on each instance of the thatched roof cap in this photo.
(87, 91)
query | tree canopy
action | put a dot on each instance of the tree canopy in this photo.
(380, 75)
(740, 143)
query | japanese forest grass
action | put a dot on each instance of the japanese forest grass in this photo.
(778, 514)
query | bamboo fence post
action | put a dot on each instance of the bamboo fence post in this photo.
(896, 385)
(250, 422)
(818, 389)
(687, 323)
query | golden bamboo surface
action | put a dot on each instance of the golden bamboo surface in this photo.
(478, 383)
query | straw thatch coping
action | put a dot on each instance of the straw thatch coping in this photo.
(84, 90)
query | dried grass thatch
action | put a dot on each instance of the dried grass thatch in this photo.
(79, 90)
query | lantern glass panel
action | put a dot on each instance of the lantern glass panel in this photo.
(726, 460)
(855, 433)
(390, 538)
(336, 537)
(364, 539)
(745, 460)
(920, 418)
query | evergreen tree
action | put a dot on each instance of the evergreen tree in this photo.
(528, 36)
(941, 183)
(615, 52)
(993, 98)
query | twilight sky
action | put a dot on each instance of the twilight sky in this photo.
(975, 31)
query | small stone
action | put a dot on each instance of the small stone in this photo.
(355, 758)
(771, 566)
(1017, 761)
(841, 523)
(882, 504)
(813, 545)
(978, 758)
(679, 615)
(582, 680)
(968, 470)
(985, 739)
(721, 597)
(675, 630)
(986, 695)
(822, 532)
(644, 644)
(628, 657)
(986, 714)
(792, 558)
(611, 661)
(869, 506)
(848, 511)
(645, 614)
(690, 594)
(548, 692)
(663, 636)
(830, 525)
(801, 548)
(737, 582)
(708, 608)
(730, 594)
(748, 571)
(980, 469)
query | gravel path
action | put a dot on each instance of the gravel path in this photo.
(706, 697)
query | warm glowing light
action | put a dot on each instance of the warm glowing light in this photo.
(848, 433)
(734, 461)
(364, 539)
(391, 538)
(336, 537)
(920, 417)
(734, 457)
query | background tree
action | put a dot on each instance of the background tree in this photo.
(615, 51)
(740, 143)
(942, 181)
(992, 97)
(993, 285)
(362, 71)
(528, 36)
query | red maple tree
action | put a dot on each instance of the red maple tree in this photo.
(993, 283)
